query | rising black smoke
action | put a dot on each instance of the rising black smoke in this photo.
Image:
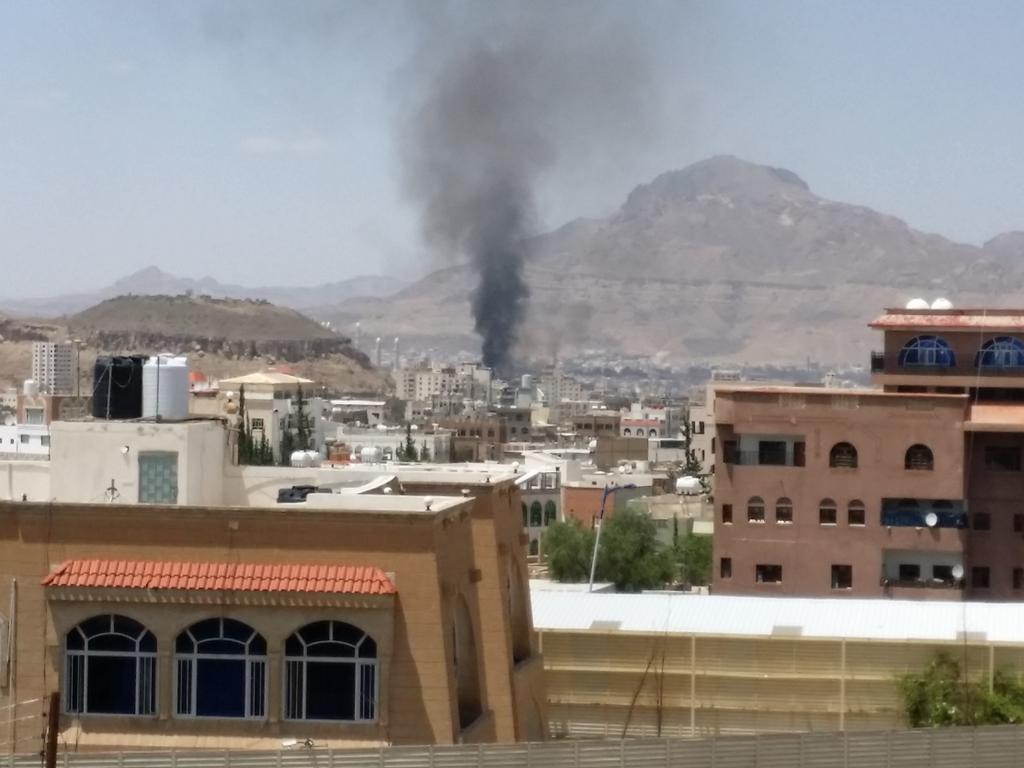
(543, 85)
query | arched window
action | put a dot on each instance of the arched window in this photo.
(627, 432)
(855, 514)
(221, 670)
(330, 673)
(827, 512)
(843, 456)
(524, 431)
(919, 457)
(550, 512)
(526, 516)
(110, 666)
(536, 514)
(755, 510)
(464, 661)
(784, 511)
(927, 351)
(652, 433)
(1001, 352)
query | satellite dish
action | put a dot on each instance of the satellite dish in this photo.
(958, 571)
(918, 304)
(941, 303)
(931, 519)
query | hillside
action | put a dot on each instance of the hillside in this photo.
(722, 261)
(221, 337)
(152, 281)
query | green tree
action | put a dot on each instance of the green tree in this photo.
(630, 554)
(424, 452)
(941, 695)
(407, 452)
(568, 547)
(693, 553)
(303, 436)
(691, 466)
(287, 446)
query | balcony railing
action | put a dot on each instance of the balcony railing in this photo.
(923, 583)
(897, 513)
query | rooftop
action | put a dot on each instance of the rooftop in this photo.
(266, 378)
(951, 319)
(243, 577)
(725, 616)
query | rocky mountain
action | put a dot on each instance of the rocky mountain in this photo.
(153, 281)
(723, 260)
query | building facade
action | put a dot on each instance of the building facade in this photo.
(190, 610)
(53, 367)
(911, 490)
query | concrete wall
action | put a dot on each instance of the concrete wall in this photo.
(87, 456)
(22, 478)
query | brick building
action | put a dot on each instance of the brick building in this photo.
(911, 490)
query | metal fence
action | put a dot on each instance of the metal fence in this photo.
(987, 747)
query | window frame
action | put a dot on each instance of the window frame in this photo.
(823, 506)
(856, 505)
(992, 452)
(756, 502)
(928, 351)
(837, 568)
(76, 675)
(757, 570)
(360, 663)
(144, 455)
(1003, 353)
(190, 661)
(909, 460)
(783, 503)
(843, 455)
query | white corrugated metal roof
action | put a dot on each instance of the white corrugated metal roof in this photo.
(878, 619)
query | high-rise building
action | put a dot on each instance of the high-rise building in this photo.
(53, 367)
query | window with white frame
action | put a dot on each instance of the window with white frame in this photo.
(220, 670)
(330, 673)
(110, 667)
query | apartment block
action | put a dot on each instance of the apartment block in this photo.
(909, 490)
(53, 367)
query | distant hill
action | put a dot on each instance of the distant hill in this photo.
(153, 281)
(724, 260)
(221, 337)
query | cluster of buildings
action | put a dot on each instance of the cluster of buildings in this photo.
(372, 587)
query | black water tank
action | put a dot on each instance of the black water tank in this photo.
(117, 387)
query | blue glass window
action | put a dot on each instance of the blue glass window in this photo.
(221, 670)
(927, 351)
(1001, 352)
(330, 673)
(110, 664)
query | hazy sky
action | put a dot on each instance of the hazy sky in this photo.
(256, 142)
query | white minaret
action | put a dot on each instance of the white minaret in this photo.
(376, 348)
(394, 360)
(359, 335)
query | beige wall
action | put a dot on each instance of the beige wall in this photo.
(24, 478)
(435, 559)
(608, 684)
(86, 456)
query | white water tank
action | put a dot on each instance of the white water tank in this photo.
(918, 304)
(941, 303)
(688, 486)
(305, 459)
(30, 388)
(165, 388)
(526, 382)
(370, 455)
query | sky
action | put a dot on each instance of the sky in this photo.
(257, 142)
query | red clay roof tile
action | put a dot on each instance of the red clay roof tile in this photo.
(243, 577)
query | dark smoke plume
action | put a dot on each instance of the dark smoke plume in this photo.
(531, 87)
